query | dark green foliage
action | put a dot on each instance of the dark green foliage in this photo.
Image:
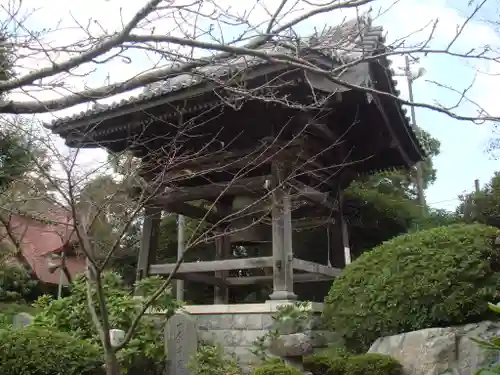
(385, 204)
(373, 364)
(16, 283)
(71, 315)
(491, 344)
(381, 211)
(276, 369)
(363, 364)
(437, 277)
(436, 218)
(488, 371)
(211, 360)
(38, 351)
(15, 156)
(15, 147)
(483, 206)
(333, 350)
(382, 200)
(9, 310)
(325, 365)
(6, 58)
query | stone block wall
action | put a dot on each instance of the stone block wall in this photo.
(236, 332)
(237, 327)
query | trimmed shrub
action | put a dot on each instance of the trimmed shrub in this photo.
(145, 351)
(276, 369)
(323, 365)
(37, 351)
(332, 351)
(16, 283)
(373, 364)
(433, 278)
(211, 360)
(9, 310)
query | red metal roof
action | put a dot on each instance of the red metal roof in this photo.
(41, 239)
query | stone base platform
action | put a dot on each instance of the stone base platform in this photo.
(236, 327)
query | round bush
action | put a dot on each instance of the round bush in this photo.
(433, 278)
(71, 315)
(37, 351)
(276, 369)
(9, 310)
(16, 283)
(323, 365)
(373, 364)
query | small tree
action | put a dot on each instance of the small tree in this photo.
(103, 216)
(483, 206)
(193, 42)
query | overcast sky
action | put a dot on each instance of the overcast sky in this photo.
(463, 157)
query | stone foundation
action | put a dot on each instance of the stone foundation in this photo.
(236, 327)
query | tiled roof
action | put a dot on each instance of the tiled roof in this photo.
(346, 42)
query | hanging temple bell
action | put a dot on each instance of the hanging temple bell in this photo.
(251, 223)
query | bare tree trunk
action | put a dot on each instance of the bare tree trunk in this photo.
(111, 362)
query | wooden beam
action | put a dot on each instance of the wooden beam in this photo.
(314, 195)
(310, 222)
(214, 265)
(193, 211)
(297, 278)
(201, 278)
(238, 187)
(306, 164)
(323, 130)
(212, 216)
(223, 162)
(311, 267)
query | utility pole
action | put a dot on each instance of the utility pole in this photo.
(420, 177)
(475, 209)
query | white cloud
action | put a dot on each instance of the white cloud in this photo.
(401, 20)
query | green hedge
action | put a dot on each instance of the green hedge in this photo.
(37, 351)
(433, 278)
(323, 365)
(276, 369)
(9, 310)
(363, 364)
(16, 283)
(373, 364)
(71, 315)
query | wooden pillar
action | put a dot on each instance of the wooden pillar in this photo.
(179, 284)
(287, 245)
(338, 237)
(222, 250)
(149, 241)
(344, 230)
(282, 238)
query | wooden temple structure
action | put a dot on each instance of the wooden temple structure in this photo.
(258, 149)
